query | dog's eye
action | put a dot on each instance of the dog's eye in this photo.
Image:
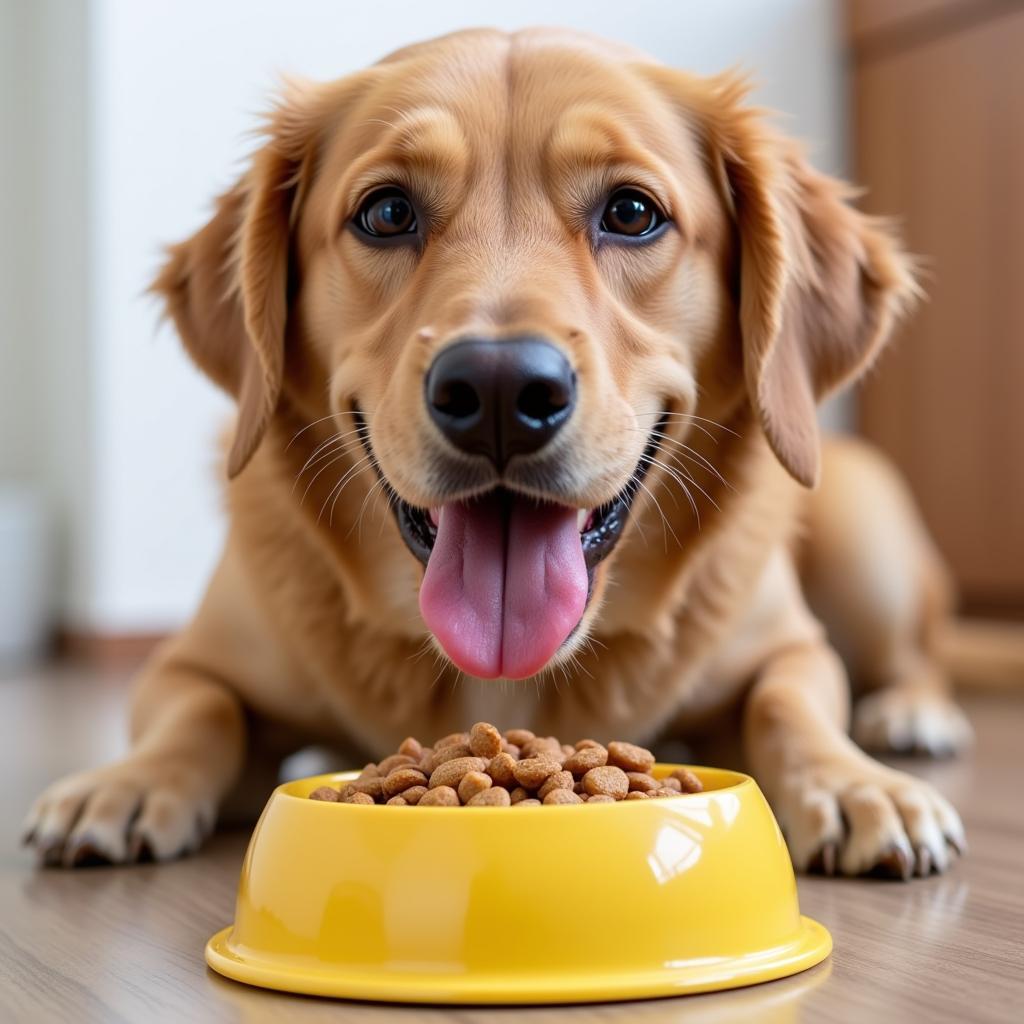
(631, 212)
(386, 213)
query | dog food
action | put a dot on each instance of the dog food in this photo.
(487, 768)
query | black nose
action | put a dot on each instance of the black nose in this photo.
(500, 398)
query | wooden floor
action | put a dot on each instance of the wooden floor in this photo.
(111, 945)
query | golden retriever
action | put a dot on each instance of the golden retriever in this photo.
(526, 333)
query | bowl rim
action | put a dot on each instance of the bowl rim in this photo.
(739, 781)
(809, 947)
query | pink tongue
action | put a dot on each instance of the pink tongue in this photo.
(505, 584)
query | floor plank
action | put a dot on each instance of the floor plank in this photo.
(125, 945)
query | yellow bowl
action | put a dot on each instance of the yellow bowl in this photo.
(504, 905)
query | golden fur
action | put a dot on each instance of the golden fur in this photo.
(770, 292)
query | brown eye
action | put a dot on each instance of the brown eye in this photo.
(631, 212)
(386, 213)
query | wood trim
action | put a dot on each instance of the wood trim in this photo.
(106, 649)
(872, 40)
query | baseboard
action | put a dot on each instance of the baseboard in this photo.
(106, 648)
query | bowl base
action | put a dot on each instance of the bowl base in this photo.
(382, 984)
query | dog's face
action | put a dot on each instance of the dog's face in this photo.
(520, 266)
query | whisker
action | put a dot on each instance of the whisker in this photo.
(322, 452)
(695, 455)
(381, 483)
(686, 491)
(330, 462)
(692, 417)
(675, 473)
(690, 480)
(353, 472)
(309, 426)
(336, 457)
(666, 525)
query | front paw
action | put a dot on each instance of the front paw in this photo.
(909, 721)
(861, 818)
(131, 811)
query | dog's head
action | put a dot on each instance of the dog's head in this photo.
(520, 265)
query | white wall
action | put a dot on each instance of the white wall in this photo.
(45, 391)
(17, 362)
(174, 87)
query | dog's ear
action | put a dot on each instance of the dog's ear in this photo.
(226, 287)
(820, 284)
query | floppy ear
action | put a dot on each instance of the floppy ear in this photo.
(820, 284)
(226, 287)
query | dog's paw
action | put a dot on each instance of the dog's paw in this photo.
(128, 812)
(909, 721)
(856, 819)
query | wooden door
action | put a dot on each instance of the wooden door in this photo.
(938, 94)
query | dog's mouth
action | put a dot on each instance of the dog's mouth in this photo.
(508, 577)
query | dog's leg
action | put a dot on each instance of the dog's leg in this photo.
(840, 809)
(188, 740)
(873, 576)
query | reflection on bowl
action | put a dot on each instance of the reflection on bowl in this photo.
(518, 905)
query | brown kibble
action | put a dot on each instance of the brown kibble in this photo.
(450, 773)
(487, 768)
(496, 796)
(606, 781)
(534, 770)
(542, 746)
(373, 786)
(560, 780)
(629, 757)
(688, 780)
(389, 764)
(411, 747)
(641, 782)
(442, 796)
(358, 798)
(581, 761)
(326, 793)
(401, 779)
(471, 784)
(447, 753)
(484, 740)
(500, 769)
(562, 796)
(518, 736)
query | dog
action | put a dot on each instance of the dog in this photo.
(526, 334)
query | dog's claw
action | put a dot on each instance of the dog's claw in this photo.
(895, 863)
(825, 860)
(924, 861)
(139, 850)
(50, 852)
(82, 852)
